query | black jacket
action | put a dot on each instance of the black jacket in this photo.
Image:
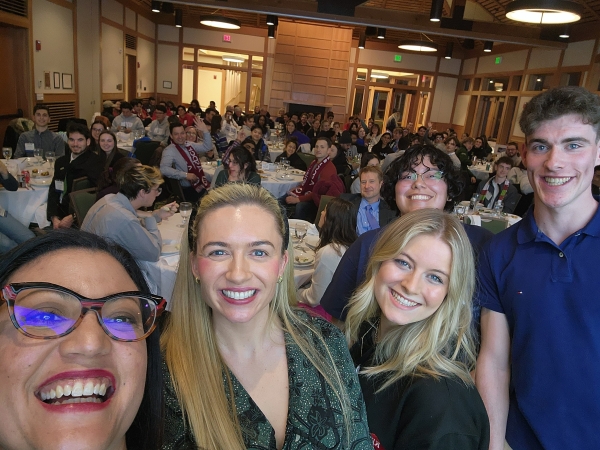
(88, 164)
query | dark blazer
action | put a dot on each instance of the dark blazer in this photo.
(386, 215)
(88, 164)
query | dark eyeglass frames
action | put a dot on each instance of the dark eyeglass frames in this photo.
(49, 311)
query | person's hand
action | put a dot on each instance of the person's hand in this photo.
(429, 125)
(473, 180)
(240, 135)
(3, 170)
(66, 222)
(167, 211)
(191, 177)
(292, 200)
(200, 125)
(127, 130)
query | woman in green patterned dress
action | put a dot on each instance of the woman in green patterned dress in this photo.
(246, 369)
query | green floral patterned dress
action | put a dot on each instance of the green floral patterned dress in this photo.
(314, 415)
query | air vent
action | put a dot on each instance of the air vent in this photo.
(130, 41)
(17, 7)
(60, 110)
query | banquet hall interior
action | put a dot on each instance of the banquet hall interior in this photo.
(338, 55)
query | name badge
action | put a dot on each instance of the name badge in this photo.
(29, 146)
(59, 185)
(3, 212)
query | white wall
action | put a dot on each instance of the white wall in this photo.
(210, 85)
(469, 66)
(167, 68)
(112, 59)
(146, 27)
(130, 18)
(112, 10)
(443, 99)
(168, 33)
(542, 58)
(517, 129)
(145, 59)
(511, 62)
(578, 53)
(451, 66)
(239, 42)
(410, 61)
(461, 109)
(53, 26)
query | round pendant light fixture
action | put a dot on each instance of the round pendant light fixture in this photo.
(220, 22)
(418, 46)
(544, 11)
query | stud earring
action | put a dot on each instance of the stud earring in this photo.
(280, 279)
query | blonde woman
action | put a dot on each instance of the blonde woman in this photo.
(409, 325)
(246, 369)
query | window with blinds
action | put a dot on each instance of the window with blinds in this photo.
(60, 110)
(17, 7)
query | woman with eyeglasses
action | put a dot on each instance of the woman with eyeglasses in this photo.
(79, 364)
(423, 177)
(246, 368)
(116, 216)
(409, 326)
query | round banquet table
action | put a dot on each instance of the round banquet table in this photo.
(271, 180)
(480, 171)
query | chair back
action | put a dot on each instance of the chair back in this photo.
(305, 148)
(175, 189)
(144, 151)
(81, 183)
(307, 158)
(81, 201)
(322, 204)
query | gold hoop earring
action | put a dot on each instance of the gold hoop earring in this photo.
(197, 280)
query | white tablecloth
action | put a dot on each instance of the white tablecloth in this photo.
(269, 179)
(162, 273)
(26, 205)
(481, 172)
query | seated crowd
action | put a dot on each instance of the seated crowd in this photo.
(436, 351)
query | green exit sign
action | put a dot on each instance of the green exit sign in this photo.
(498, 59)
(397, 58)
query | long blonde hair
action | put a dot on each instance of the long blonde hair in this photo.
(440, 345)
(189, 341)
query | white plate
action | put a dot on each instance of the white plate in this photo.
(41, 181)
(294, 222)
(169, 249)
(302, 259)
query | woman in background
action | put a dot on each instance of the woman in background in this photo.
(241, 168)
(109, 153)
(409, 326)
(186, 119)
(337, 231)
(291, 153)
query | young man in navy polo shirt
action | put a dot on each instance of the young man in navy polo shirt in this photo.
(539, 364)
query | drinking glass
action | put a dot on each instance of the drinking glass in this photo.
(300, 230)
(37, 154)
(185, 209)
(50, 157)
(7, 153)
(498, 208)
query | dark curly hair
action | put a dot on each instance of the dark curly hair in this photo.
(340, 224)
(412, 157)
(242, 156)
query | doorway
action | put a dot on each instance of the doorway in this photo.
(378, 105)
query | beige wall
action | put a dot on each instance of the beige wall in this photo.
(167, 68)
(53, 27)
(410, 61)
(146, 60)
(443, 99)
(112, 59)
(88, 58)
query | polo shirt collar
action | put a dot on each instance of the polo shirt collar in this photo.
(529, 231)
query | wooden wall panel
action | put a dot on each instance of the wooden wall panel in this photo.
(311, 66)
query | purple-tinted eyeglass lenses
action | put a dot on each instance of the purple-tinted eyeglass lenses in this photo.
(49, 313)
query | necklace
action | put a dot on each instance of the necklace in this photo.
(376, 326)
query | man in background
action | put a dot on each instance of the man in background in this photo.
(40, 136)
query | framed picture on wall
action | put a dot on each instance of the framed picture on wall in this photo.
(56, 80)
(167, 84)
(67, 81)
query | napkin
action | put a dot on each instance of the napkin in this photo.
(474, 219)
(123, 137)
(312, 230)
